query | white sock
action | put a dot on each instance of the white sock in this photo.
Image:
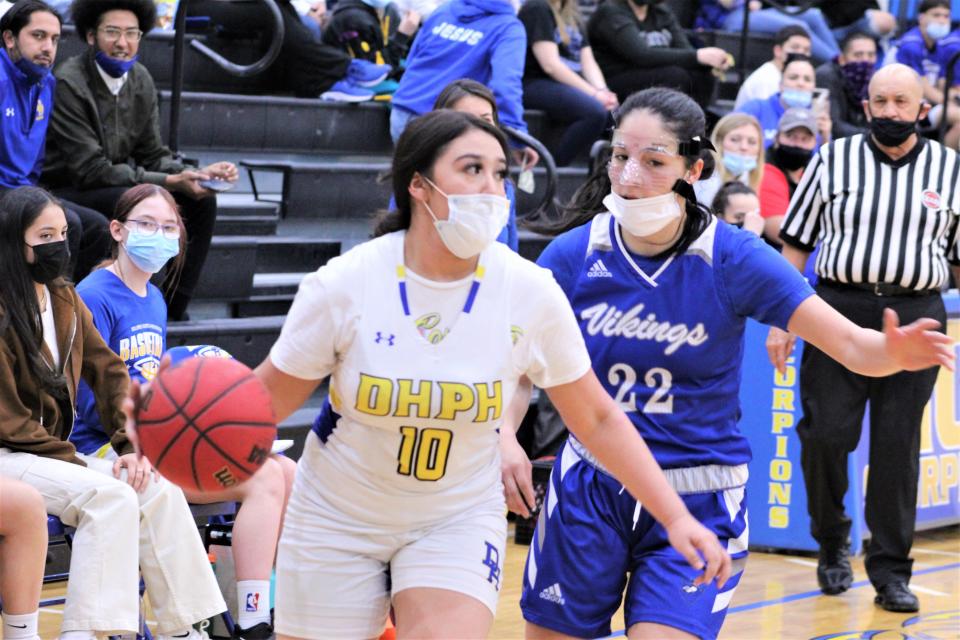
(78, 635)
(20, 627)
(253, 601)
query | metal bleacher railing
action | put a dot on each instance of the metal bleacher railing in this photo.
(180, 30)
(792, 10)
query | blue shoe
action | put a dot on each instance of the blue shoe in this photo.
(367, 74)
(347, 91)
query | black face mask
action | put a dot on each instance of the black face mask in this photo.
(890, 132)
(50, 261)
(791, 158)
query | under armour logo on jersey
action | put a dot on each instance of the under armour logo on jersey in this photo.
(388, 339)
(599, 270)
(552, 594)
(492, 562)
(10, 112)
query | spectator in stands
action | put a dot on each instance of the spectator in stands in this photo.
(727, 15)
(738, 204)
(639, 44)
(847, 78)
(796, 91)
(786, 161)
(23, 555)
(562, 77)
(864, 16)
(482, 40)
(310, 68)
(738, 140)
(765, 80)
(469, 96)
(125, 514)
(949, 47)
(105, 133)
(313, 15)
(31, 35)
(919, 48)
(373, 30)
(127, 309)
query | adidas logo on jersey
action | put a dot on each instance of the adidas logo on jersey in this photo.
(599, 270)
(552, 593)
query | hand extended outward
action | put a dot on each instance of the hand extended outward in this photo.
(913, 347)
(918, 345)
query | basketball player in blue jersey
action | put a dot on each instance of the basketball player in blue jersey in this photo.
(399, 502)
(662, 291)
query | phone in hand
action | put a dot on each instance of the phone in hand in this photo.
(821, 100)
(217, 185)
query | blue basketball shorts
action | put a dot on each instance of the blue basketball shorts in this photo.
(593, 540)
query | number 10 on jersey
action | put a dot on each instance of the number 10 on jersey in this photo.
(424, 452)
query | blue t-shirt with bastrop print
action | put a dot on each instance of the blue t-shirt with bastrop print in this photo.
(134, 327)
(666, 335)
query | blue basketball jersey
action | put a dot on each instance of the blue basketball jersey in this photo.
(134, 327)
(666, 335)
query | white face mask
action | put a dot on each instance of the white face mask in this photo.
(644, 216)
(474, 221)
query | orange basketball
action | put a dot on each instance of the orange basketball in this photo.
(206, 424)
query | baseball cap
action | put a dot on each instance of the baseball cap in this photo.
(797, 117)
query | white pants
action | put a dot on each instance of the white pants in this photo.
(117, 529)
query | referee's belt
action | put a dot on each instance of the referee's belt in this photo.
(881, 289)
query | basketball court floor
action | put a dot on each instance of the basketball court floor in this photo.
(777, 598)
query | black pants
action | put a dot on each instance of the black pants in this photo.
(696, 83)
(833, 401)
(199, 217)
(306, 67)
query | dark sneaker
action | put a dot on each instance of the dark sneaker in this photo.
(261, 631)
(897, 597)
(834, 574)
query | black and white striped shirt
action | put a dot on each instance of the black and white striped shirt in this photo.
(878, 220)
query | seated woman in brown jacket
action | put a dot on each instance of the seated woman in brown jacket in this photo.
(125, 515)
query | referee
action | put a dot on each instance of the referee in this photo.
(883, 206)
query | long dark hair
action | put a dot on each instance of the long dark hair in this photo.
(685, 120)
(733, 188)
(462, 88)
(19, 309)
(422, 142)
(126, 204)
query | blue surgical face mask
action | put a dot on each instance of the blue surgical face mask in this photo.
(113, 67)
(737, 164)
(151, 252)
(938, 30)
(35, 72)
(796, 98)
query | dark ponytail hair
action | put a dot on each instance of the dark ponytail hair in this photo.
(683, 118)
(421, 143)
(19, 309)
(733, 188)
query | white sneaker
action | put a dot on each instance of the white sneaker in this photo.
(192, 635)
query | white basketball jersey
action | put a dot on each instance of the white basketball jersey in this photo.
(417, 437)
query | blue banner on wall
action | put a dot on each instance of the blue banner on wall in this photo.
(777, 500)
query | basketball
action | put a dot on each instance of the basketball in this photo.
(206, 424)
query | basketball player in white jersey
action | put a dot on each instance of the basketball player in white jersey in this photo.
(425, 333)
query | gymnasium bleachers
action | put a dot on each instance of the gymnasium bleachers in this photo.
(311, 177)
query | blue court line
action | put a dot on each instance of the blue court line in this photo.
(810, 594)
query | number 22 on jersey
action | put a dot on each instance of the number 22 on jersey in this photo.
(659, 379)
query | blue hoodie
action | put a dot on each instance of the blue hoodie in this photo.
(25, 110)
(478, 39)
